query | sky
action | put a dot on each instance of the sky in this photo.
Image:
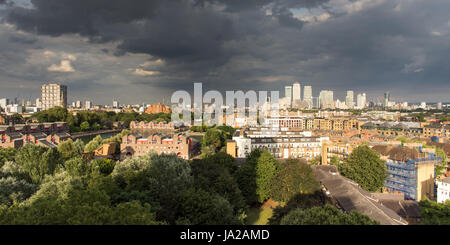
(143, 51)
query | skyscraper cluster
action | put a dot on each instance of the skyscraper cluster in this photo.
(293, 99)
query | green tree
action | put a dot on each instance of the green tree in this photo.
(214, 139)
(199, 207)
(210, 175)
(81, 207)
(168, 177)
(255, 175)
(327, 215)
(94, 144)
(7, 154)
(335, 161)
(433, 213)
(13, 190)
(266, 169)
(365, 167)
(295, 177)
(68, 149)
(299, 201)
(36, 161)
(84, 126)
(105, 166)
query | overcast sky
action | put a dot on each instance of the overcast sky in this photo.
(142, 51)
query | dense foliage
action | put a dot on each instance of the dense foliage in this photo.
(255, 176)
(326, 215)
(90, 120)
(433, 213)
(295, 177)
(60, 186)
(365, 167)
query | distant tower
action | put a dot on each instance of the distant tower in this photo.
(361, 101)
(53, 95)
(326, 99)
(349, 99)
(386, 99)
(307, 96)
(288, 94)
(296, 93)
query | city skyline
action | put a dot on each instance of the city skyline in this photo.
(227, 46)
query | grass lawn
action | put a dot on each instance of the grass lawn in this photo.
(258, 216)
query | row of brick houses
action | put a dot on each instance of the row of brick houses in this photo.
(136, 145)
(45, 134)
(308, 123)
(152, 125)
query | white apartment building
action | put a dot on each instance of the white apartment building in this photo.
(281, 144)
(53, 95)
(443, 190)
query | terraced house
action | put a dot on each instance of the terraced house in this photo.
(45, 134)
(136, 145)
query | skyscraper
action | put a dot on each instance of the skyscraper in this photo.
(386, 99)
(288, 95)
(88, 105)
(307, 96)
(3, 103)
(349, 99)
(361, 101)
(326, 99)
(53, 95)
(296, 93)
(38, 103)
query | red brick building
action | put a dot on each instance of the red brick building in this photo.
(157, 108)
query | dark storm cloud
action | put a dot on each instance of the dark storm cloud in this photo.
(22, 39)
(260, 44)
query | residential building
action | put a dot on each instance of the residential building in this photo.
(152, 125)
(157, 108)
(443, 190)
(53, 95)
(45, 134)
(409, 171)
(3, 103)
(136, 145)
(281, 144)
(88, 105)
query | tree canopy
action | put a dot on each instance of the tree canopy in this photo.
(326, 215)
(433, 213)
(295, 177)
(365, 167)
